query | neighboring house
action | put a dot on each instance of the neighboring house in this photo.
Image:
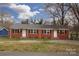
(38, 31)
(3, 31)
(74, 32)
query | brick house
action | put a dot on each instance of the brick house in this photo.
(38, 31)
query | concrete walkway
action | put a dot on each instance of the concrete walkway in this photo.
(50, 41)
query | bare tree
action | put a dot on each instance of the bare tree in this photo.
(33, 21)
(5, 19)
(57, 11)
(37, 21)
(40, 21)
(75, 10)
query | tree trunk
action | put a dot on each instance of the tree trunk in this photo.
(62, 9)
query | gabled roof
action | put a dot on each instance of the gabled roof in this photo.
(36, 26)
(1, 28)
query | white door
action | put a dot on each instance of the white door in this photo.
(23, 33)
(55, 34)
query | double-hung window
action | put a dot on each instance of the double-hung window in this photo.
(61, 31)
(33, 31)
(46, 31)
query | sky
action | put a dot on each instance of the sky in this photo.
(22, 11)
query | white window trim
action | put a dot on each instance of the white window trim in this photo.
(47, 31)
(34, 31)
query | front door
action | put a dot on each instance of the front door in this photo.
(23, 33)
(55, 33)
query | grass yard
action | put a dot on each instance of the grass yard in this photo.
(38, 47)
(16, 39)
(43, 46)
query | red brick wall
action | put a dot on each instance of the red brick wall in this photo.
(39, 35)
(63, 36)
(32, 35)
(16, 35)
(46, 36)
(52, 34)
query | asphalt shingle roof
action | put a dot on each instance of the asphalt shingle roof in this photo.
(36, 26)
